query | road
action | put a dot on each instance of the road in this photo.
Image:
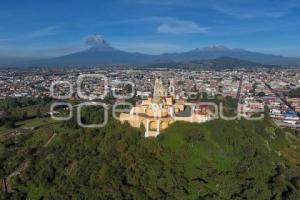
(280, 97)
(278, 122)
(238, 94)
(286, 125)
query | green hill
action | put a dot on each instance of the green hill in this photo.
(215, 160)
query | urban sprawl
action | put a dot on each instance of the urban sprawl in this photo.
(255, 91)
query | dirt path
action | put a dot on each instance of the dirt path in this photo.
(50, 140)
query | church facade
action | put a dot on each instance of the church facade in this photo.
(162, 109)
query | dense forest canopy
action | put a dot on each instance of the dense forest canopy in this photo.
(216, 160)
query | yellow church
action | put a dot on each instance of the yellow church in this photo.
(162, 109)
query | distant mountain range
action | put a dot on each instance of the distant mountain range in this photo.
(103, 54)
(215, 64)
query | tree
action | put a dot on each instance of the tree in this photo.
(10, 124)
(261, 94)
(38, 112)
(294, 93)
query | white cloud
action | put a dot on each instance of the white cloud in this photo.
(243, 14)
(171, 25)
(250, 9)
(244, 9)
(50, 30)
(175, 26)
(41, 32)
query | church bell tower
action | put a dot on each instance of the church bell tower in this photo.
(172, 88)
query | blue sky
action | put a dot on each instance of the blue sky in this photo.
(51, 28)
